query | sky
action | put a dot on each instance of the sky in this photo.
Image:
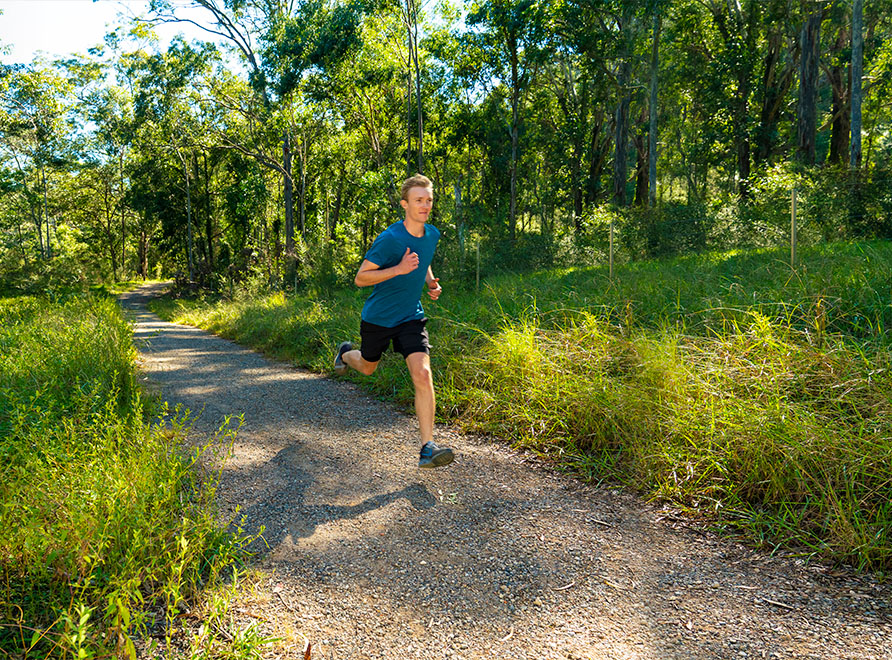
(62, 27)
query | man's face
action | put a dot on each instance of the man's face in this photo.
(419, 203)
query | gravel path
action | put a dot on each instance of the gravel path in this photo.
(492, 557)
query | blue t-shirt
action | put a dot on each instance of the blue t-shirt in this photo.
(398, 299)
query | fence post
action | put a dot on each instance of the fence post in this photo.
(478, 266)
(793, 230)
(611, 249)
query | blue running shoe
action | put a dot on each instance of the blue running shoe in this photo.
(340, 366)
(433, 456)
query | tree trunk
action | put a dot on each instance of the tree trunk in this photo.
(742, 134)
(46, 217)
(409, 88)
(21, 235)
(108, 224)
(208, 216)
(303, 188)
(641, 165)
(775, 85)
(188, 221)
(143, 250)
(810, 46)
(576, 177)
(857, 72)
(839, 80)
(36, 213)
(652, 133)
(336, 214)
(202, 243)
(414, 57)
(123, 214)
(515, 137)
(599, 151)
(288, 196)
(621, 136)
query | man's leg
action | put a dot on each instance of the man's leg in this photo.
(425, 402)
(354, 359)
(431, 455)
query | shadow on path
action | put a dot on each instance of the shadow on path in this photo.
(488, 558)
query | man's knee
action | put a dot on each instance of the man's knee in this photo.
(420, 369)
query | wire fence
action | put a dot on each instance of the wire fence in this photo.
(791, 215)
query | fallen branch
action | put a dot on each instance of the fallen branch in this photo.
(774, 602)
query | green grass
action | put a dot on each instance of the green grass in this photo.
(116, 288)
(106, 525)
(730, 384)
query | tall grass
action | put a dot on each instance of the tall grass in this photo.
(731, 384)
(106, 526)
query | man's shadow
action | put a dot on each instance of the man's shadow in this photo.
(283, 512)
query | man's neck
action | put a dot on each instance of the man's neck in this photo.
(414, 227)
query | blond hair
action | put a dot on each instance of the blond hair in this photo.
(417, 181)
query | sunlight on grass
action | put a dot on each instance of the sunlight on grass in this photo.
(107, 525)
(729, 384)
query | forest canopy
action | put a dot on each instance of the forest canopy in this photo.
(272, 153)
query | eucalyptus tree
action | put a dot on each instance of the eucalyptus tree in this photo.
(835, 65)
(245, 25)
(409, 12)
(857, 72)
(469, 128)
(738, 24)
(579, 89)
(342, 66)
(778, 65)
(612, 37)
(810, 53)
(167, 131)
(513, 32)
(652, 105)
(34, 127)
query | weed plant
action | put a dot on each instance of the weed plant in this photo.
(107, 531)
(731, 384)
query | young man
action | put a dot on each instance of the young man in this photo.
(397, 265)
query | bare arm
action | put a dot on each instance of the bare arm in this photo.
(433, 284)
(370, 274)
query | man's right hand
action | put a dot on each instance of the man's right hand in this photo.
(408, 263)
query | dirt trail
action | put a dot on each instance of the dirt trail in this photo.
(491, 557)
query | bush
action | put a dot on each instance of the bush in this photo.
(104, 518)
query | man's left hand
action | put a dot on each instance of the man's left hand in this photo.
(434, 289)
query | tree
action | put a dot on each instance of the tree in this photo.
(857, 74)
(33, 107)
(810, 45)
(652, 132)
(514, 27)
(738, 25)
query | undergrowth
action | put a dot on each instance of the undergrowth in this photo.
(107, 527)
(731, 384)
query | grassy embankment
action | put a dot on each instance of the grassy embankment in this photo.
(727, 383)
(106, 526)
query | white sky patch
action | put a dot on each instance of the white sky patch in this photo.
(59, 28)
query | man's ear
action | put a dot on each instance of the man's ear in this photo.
(404, 204)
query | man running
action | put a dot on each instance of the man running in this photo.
(397, 265)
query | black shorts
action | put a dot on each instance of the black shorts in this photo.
(409, 337)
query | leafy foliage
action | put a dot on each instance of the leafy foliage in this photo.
(108, 530)
(251, 156)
